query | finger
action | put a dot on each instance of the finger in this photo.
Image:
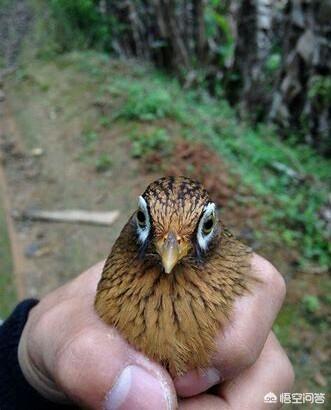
(85, 358)
(254, 314)
(204, 402)
(111, 374)
(272, 372)
(240, 342)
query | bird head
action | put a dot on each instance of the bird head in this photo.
(177, 219)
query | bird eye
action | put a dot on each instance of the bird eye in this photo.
(208, 225)
(141, 218)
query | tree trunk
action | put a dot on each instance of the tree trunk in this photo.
(302, 101)
(280, 68)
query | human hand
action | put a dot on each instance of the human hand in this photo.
(67, 352)
(249, 362)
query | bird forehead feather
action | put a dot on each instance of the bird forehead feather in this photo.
(176, 203)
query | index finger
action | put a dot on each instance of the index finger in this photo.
(241, 341)
(272, 374)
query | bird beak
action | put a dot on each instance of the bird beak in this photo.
(171, 251)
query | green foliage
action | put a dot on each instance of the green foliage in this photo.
(89, 137)
(273, 62)
(320, 88)
(105, 121)
(217, 20)
(286, 319)
(149, 142)
(147, 98)
(103, 163)
(80, 24)
(311, 303)
(143, 104)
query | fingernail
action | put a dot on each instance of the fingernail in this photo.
(211, 376)
(136, 388)
(197, 381)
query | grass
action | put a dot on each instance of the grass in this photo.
(103, 163)
(292, 180)
(7, 289)
(144, 143)
(143, 105)
(302, 327)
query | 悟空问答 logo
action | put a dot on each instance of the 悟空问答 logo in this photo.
(270, 398)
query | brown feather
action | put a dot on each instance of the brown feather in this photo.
(173, 318)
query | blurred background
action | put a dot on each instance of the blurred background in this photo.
(100, 97)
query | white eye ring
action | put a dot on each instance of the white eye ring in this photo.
(203, 238)
(143, 230)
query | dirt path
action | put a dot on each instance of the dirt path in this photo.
(20, 264)
(63, 176)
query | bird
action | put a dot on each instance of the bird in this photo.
(171, 279)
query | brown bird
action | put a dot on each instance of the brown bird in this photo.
(172, 276)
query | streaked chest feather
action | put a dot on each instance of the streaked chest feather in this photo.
(172, 318)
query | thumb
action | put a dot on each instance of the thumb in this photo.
(66, 351)
(99, 370)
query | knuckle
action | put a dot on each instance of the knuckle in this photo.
(277, 284)
(272, 279)
(280, 363)
(245, 355)
(288, 375)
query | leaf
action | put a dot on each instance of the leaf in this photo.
(311, 303)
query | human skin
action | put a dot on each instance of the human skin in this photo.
(68, 354)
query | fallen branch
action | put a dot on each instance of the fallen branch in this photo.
(72, 216)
